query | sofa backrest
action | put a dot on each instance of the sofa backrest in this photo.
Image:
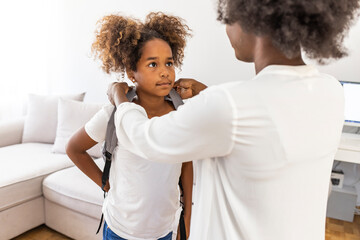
(11, 131)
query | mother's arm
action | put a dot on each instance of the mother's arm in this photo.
(201, 128)
(188, 87)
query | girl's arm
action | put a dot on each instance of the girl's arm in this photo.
(187, 183)
(76, 149)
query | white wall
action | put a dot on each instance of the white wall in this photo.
(208, 57)
(64, 64)
(23, 49)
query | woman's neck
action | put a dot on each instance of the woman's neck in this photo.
(266, 54)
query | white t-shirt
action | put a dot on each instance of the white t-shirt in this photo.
(267, 146)
(143, 196)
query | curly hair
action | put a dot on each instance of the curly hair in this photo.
(316, 26)
(120, 40)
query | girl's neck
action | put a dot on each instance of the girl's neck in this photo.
(266, 54)
(153, 105)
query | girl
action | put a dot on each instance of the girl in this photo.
(142, 196)
(267, 144)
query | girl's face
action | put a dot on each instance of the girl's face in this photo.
(155, 72)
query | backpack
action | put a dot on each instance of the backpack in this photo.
(111, 142)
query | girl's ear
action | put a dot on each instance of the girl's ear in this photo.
(130, 75)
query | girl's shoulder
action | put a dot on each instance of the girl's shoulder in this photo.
(103, 115)
(107, 109)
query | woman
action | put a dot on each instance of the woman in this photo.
(267, 144)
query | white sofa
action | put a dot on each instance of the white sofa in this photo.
(38, 186)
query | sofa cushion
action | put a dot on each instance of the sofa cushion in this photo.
(74, 190)
(72, 115)
(20, 192)
(23, 167)
(41, 118)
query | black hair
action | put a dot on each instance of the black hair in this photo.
(316, 26)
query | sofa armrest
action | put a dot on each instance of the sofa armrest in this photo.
(11, 131)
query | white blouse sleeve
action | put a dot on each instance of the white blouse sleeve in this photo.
(199, 129)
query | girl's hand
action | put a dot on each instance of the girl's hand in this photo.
(188, 87)
(107, 186)
(117, 92)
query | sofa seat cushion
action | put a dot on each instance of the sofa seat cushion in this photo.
(23, 167)
(74, 190)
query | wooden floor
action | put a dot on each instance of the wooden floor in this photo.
(41, 233)
(340, 230)
(335, 230)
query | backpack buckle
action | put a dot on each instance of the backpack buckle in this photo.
(106, 155)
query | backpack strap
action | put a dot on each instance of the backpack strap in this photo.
(111, 141)
(109, 146)
(175, 98)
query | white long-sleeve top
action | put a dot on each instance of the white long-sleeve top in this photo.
(265, 149)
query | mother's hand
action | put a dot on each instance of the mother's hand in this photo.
(188, 87)
(117, 92)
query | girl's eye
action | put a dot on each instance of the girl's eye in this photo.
(170, 64)
(152, 65)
